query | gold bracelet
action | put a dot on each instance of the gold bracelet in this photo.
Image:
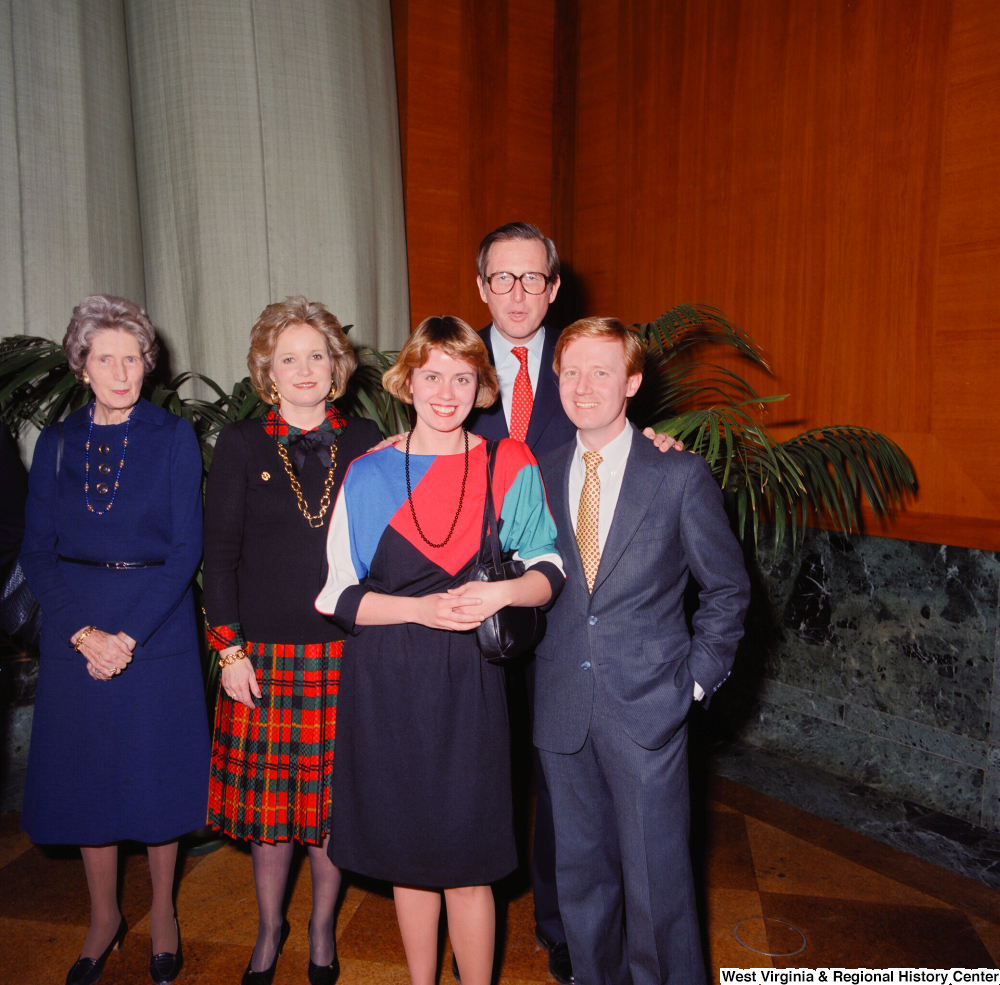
(230, 658)
(83, 636)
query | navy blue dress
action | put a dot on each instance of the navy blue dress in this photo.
(126, 758)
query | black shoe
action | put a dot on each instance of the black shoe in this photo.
(251, 977)
(454, 969)
(560, 967)
(86, 971)
(324, 974)
(165, 967)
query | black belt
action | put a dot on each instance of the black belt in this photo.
(117, 565)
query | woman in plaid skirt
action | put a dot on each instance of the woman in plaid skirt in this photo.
(267, 509)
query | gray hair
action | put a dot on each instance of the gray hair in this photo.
(517, 231)
(100, 312)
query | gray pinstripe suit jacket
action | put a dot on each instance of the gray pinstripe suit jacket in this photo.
(627, 643)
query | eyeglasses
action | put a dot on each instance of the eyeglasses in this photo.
(532, 282)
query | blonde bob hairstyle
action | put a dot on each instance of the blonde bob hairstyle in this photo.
(103, 312)
(274, 319)
(604, 328)
(452, 336)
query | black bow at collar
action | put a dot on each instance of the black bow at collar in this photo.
(311, 442)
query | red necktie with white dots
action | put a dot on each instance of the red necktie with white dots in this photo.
(520, 407)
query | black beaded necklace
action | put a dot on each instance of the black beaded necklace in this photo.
(461, 498)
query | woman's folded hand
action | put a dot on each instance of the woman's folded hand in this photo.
(480, 599)
(239, 679)
(106, 655)
(443, 610)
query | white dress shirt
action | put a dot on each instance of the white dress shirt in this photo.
(614, 456)
(507, 365)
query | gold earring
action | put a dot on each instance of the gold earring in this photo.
(275, 396)
(331, 396)
(85, 380)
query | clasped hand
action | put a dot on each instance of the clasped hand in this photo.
(107, 655)
(239, 679)
(463, 608)
(476, 601)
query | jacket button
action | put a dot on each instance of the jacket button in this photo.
(592, 620)
(585, 665)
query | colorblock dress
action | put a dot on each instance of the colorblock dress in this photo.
(421, 786)
(272, 765)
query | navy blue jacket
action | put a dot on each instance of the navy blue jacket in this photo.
(628, 638)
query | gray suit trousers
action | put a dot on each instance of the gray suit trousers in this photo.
(622, 818)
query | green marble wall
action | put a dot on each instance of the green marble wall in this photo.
(877, 660)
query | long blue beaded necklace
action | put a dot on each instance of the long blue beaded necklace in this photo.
(121, 463)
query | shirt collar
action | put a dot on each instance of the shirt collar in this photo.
(502, 348)
(614, 454)
(278, 428)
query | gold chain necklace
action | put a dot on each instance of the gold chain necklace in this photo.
(314, 521)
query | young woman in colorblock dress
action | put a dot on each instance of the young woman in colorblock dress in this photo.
(267, 509)
(422, 792)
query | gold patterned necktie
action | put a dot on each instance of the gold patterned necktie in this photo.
(587, 517)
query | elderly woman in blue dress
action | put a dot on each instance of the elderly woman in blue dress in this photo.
(119, 745)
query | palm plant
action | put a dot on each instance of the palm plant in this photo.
(37, 387)
(821, 473)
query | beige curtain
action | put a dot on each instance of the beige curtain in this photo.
(205, 159)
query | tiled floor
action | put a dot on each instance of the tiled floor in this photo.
(771, 869)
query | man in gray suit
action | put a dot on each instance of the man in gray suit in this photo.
(618, 669)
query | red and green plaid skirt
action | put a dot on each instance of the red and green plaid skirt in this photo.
(272, 766)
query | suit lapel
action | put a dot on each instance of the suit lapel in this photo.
(487, 336)
(546, 399)
(491, 421)
(557, 492)
(639, 486)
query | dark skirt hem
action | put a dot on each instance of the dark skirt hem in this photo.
(452, 880)
(149, 837)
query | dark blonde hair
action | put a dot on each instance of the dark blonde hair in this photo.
(100, 312)
(452, 336)
(604, 328)
(274, 319)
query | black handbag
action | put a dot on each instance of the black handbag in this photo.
(20, 614)
(514, 629)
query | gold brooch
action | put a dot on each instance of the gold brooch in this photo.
(265, 476)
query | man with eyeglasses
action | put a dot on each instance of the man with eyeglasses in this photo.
(518, 278)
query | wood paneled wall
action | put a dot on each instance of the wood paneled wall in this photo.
(475, 83)
(827, 172)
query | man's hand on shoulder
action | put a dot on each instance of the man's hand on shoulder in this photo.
(394, 439)
(663, 442)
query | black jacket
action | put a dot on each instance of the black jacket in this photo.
(264, 564)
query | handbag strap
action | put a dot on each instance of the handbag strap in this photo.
(489, 539)
(60, 443)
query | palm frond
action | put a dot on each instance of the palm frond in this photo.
(823, 473)
(366, 397)
(687, 325)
